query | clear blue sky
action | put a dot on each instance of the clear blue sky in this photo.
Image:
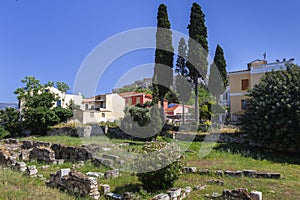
(50, 39)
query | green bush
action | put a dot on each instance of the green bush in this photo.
(272, 116)
(9, 119)
(159, 177)
(3, 132)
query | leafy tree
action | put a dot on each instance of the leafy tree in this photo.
(9, 120)
(3, 132)
(272, 117)
(63, 88)
(142, 121)
(218, 75)
(37, 105)
(144, 90)
(197, 53)
(163, 74)
(182, 86)
(171, 97)
(157, 155)
(63, 113)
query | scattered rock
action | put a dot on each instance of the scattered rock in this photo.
(104, 189)
(200, 187)
(174, 193)
(31, 170)
(21, 166)
(255, 195)
(128, 196)
(113, 196)
(190, 169)
(250, 173)
(161, 196)
(95, 174)
(112, 174)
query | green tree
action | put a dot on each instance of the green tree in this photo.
(63, 88)
(218, 81)
(197, 53)
(63, 113)
(272, 117)
(182, 86)
(163, 74)
(3, 132)
(37, 105)
(9, 120)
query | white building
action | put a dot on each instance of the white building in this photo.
(101, 108)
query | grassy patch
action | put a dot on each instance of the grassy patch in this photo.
(221, 157)
(14, 185)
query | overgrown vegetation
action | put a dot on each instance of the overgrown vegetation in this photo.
(37, 105)
(272, 116)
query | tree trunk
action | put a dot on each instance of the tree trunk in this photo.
(183, 118)
(161, 97)
(196, 103)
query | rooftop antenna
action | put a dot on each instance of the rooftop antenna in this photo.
(265, 55)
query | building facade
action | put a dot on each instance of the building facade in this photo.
(241, 81)
(101, 108)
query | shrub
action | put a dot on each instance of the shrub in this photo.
(272, 116)
(3, 132)
(153, 160)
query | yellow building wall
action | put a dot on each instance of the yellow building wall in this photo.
(255, 78)
(235, 82)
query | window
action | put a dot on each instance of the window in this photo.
(244, 103)
(138, 100)
(245, 84)
(103, 115)
(86, 106)
(46, 90)
(91, 114)
(58, 103)
(130, 101)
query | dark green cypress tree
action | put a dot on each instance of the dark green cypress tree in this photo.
(163, 73)
(218, 74)
(182, 86)
(197, 54)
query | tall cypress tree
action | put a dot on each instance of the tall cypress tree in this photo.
(182, 87)
(197, 54)
(218, 74)
(163, 73)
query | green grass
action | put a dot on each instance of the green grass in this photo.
(16, 186)
(222, 156)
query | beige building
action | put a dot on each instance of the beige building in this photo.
(101, 108)
(241, 81)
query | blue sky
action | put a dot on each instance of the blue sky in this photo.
(50, 39)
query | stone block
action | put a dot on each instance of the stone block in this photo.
(31, 170)
(174, 193)
(128, 196)
(95, 174)
(112, 174)
(161, 196)
(113, 196)
(255, 195)
(104, 189)
(63, 172)
(21, 166)
(250, 173)
(190, 169)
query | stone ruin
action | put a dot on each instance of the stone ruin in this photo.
(75, 182)
(239, 173)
